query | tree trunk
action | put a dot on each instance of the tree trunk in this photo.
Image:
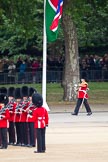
(71, 69)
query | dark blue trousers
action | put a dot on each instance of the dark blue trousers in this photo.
(81, 101)
(3, 133)
(41, 139)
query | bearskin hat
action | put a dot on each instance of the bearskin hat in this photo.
(32, 91)
(37, 99)
(24, 91)
(4, 98)
(18, 93)
(11, 91)
(3, 90)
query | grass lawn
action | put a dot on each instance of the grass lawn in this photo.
(98, 92)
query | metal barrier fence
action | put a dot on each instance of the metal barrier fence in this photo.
(95, 75)
(52, 76)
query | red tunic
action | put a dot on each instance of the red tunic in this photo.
(4, 122)
(82, 92)
(40, 117)
(17, 112)
(23, 113)
(12, 111)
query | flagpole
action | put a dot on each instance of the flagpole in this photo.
(44, 80)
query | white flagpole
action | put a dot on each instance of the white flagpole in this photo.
(44, 80)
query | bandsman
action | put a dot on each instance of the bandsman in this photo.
(4, 120)
(11, 107)
(82, 98)
(23, 115)
(30, 119)
(40, 115)
(3, 90)
(17, 112)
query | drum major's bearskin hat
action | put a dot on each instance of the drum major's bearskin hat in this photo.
(32, 91)
(3, 90)
(18, 93)
(37, 99)
(4, 99)
(11, 91)
(24, 91)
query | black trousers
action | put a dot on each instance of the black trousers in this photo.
(41, 139)
(11, 131)
(4, 141)
(24, 133)
(31, 133)
(18, 132)
(81, 101)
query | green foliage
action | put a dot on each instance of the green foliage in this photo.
(91, 20)
(21, 25)
(92, 24)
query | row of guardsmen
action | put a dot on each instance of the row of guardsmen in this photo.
(17, 119)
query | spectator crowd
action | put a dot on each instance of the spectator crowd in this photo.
(26, 69)
(93, 67)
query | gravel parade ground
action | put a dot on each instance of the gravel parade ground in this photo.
(69, 138)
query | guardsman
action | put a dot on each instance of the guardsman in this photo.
(18, 98)
(11, 107)
(4, 120)
(82, 98)
(23, 115)
(4, 91)
(40, 115)
(30, 119)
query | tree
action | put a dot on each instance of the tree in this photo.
(92, 25)
(21, 25)
(71, 75)
(80, 30)
(71, 71)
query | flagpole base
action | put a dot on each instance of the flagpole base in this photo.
(45, 105)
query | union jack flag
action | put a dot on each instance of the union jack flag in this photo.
(57, 5)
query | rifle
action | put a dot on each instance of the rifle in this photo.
(29, 112)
